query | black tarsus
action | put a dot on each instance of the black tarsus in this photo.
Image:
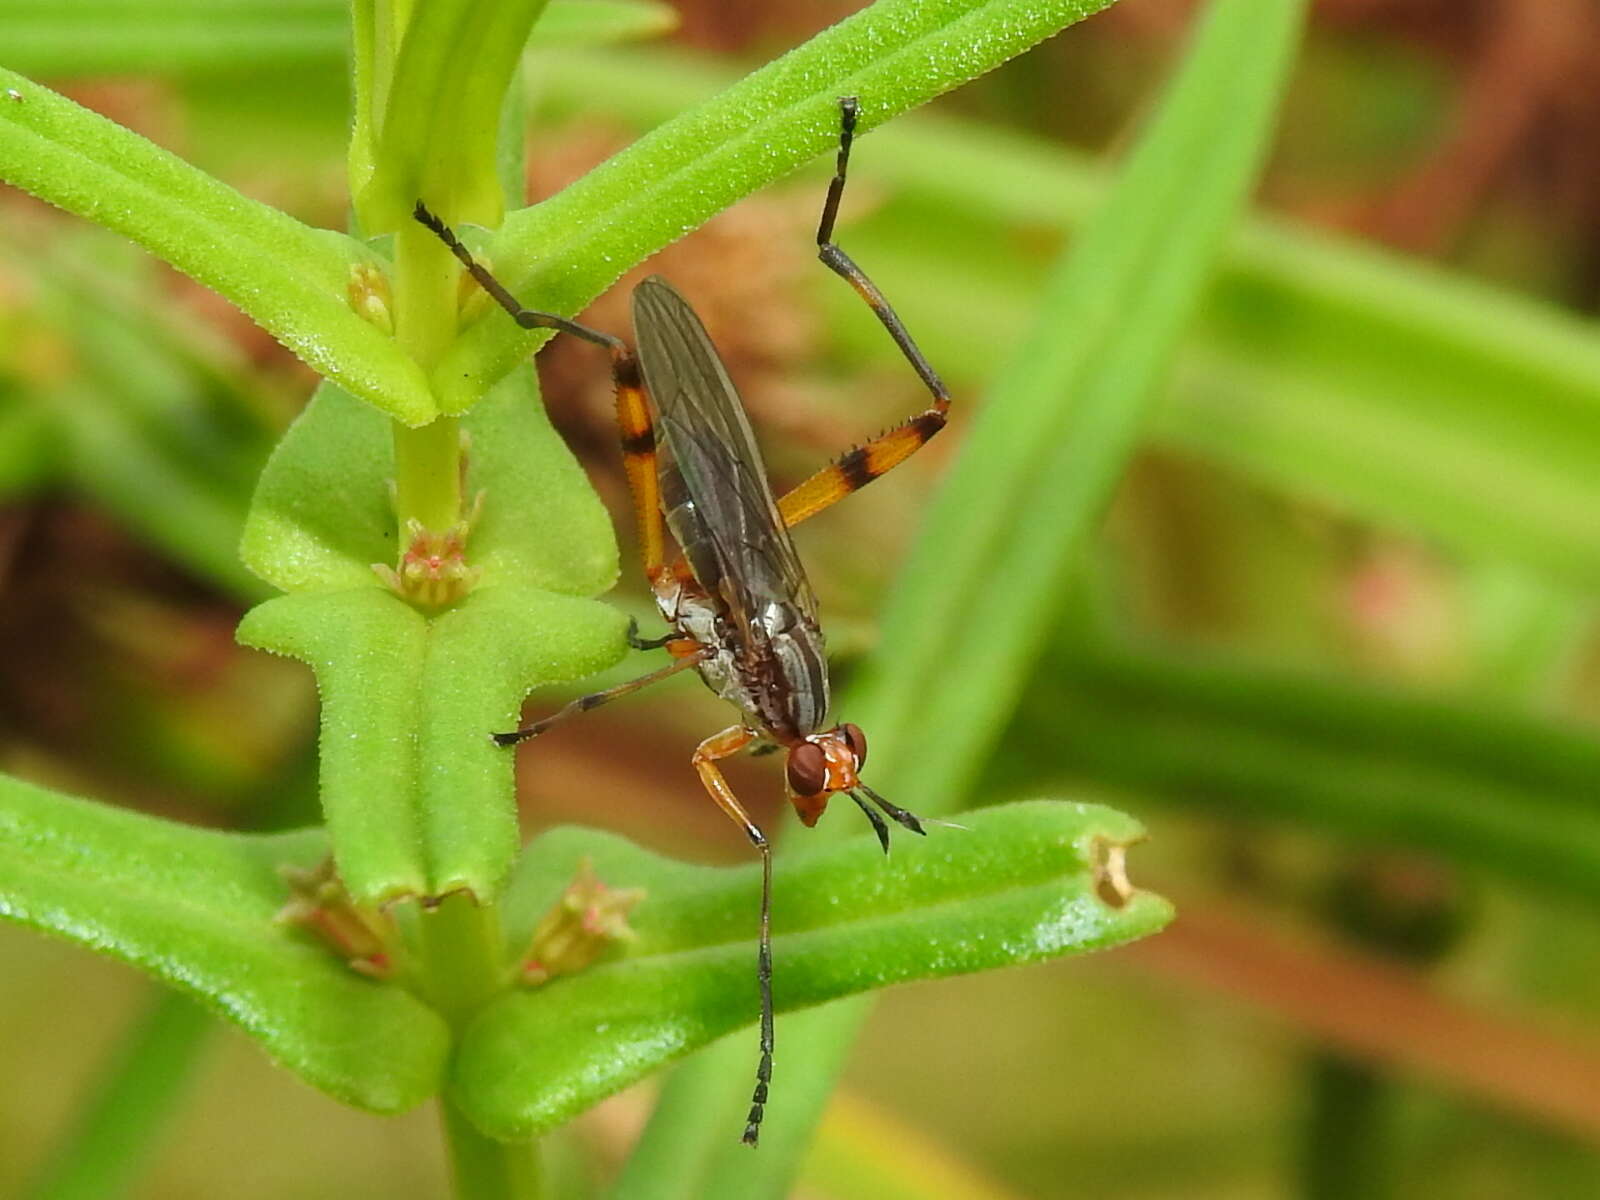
(655, 643)
(843, 265)
(528, 318)
(758, 1098)
(596, 699)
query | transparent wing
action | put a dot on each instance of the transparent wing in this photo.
(714, 487)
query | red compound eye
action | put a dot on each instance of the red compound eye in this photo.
(857, 741)
(808, 769)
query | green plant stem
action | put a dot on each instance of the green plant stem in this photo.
(460, 956)
(427, 473)
(485, 1169)
(1344, 1142)
(427, 459)
(114, 1137)
(460, 964)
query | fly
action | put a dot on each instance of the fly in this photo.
(737, 600)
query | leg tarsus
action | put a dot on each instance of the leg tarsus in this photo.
(526, 317)
(596, 699)
(758, 1098)
(655, 643)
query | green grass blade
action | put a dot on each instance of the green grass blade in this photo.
(290, 279)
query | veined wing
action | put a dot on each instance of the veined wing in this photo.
(714, 486)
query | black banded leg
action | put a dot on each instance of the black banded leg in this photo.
(596, 699)
(861, 466)
(730, 741)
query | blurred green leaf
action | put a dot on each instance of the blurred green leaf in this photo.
(29, 444)
(895, 54)
(1482, 784)
(149, 415)
(72, 38)
(1018, 886)
(418, 799)
(197, 908)
(116, 1135)
(289, 278)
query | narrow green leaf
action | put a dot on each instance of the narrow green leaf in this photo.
(1018, 886)
(68, 38)
(196, 908)
(895, 55)
(290, 279)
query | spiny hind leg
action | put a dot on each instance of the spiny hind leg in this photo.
(888, 450)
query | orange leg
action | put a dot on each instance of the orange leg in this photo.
(888, 450)
(730, 741)
(633, 414)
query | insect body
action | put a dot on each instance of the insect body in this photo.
(736, 597)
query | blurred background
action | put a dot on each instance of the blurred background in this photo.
(1336, 645)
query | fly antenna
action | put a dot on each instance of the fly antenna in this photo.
(909, 819)
(878, 826)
